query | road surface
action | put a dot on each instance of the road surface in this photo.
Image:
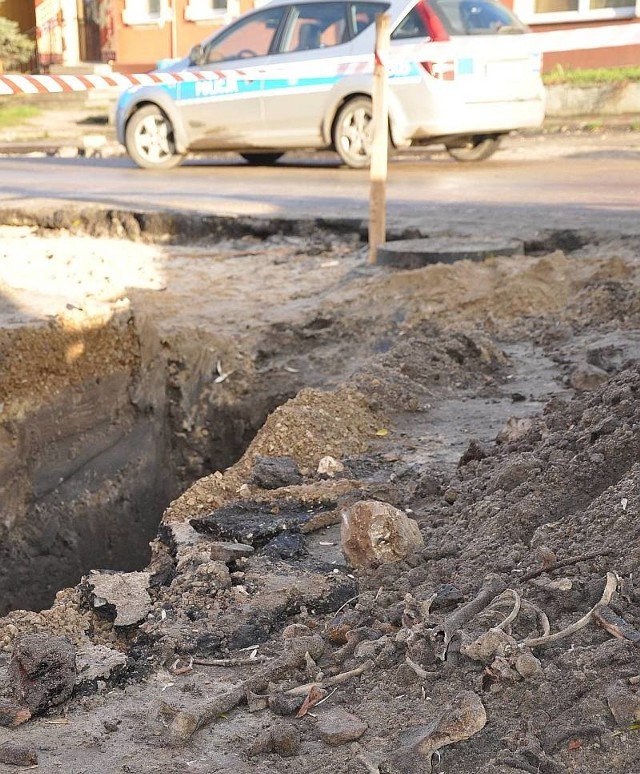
(579, 181)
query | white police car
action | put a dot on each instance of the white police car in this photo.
(297, 74)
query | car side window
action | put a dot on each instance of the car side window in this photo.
(362, 15)
(248, 38)
(412, 26)
(315, 25)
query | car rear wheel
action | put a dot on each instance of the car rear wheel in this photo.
(150, 141)
(353, 132)
(262, 159)
(476, 148)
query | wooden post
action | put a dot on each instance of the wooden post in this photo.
(380, 143)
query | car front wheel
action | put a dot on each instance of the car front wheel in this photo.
(353, 132)
(476, 148)
(150, 141)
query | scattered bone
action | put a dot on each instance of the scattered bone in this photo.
(454, 622)
(616, 625)
(461, 719)
(374, 531)
(564, 563)
(487, 646)
(609, 590)
(331, 681)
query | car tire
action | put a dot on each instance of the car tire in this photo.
(476, 148)
(353, 132)
(262, 159)
(149, 139)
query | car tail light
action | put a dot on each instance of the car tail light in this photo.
(432, 20)
(443, 71)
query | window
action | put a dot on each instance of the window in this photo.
(476, 17)
(541, 11)
(316, 25)
(247, 38)
(146, 12)
(362, 15)
(412, 26)
(205, 10)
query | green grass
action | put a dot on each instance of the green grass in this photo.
(14, 115)
(592, 77)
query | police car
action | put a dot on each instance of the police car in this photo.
(297, 75)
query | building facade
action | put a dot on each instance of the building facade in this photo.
(134, 35)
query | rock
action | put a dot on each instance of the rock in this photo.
(123, 594)
(12, 715)
(374, 531)
(514, 429)
(286, 545)
(14, 754)
(98, 662)
(474, 451)
(285, 703)
(527, 665)
(255, 522)
(624, 704)
(230, 552)
(488, 645)
(337, 726)
(42, 671)
(329, 467)
(274, 472)
(587, 377)
(459, 720)
(283, 740)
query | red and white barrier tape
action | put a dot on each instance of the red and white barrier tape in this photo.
(45, 84)
(555, 40)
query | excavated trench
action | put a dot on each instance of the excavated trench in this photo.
(100, 431)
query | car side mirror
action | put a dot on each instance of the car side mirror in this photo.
(197, 55)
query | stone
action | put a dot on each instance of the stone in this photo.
(98, 662)
(460, 719)
(514, 429)
(230, 552)
(624, 704)
(122, 594)
(374, 531)
(282, 739)
(329, 467)
(587, 377)
(275, 472)
(12, 714)
(14, 754)
(494, 642)
(42, 671)
(285, 703)
(337, 726)
(527, 665)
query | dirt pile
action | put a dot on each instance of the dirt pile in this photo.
(505, 640)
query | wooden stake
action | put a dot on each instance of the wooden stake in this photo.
(380, 144)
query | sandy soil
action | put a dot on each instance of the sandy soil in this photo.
(495, 403)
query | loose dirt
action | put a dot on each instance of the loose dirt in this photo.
(495, 403)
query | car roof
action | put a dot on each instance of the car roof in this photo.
(394, 5)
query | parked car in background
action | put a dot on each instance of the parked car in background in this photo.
(297, 75)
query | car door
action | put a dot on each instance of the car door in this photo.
(224, 109)
(313, 47)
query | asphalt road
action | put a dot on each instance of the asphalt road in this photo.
(578, 181)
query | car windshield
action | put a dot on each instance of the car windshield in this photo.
(476, 17)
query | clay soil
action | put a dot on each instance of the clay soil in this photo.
(495, 403)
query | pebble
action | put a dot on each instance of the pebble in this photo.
(338, 726)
